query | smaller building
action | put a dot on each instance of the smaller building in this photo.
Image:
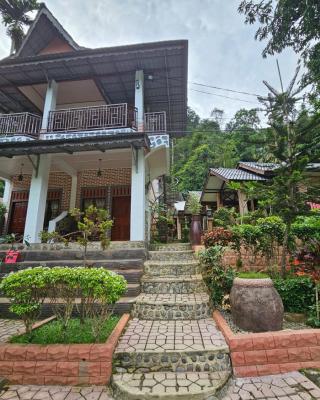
(216, 192)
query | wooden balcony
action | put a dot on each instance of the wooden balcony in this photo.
(155, 122)
(20, 124)
(111, 116)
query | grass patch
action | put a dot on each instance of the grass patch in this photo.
(52, 333)
(253, 275)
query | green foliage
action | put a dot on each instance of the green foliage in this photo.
(307, 227)
(27, 290)
(217, 237)
(97, 288)
(297, 293)
(52, 237)
(248, 237)
(219, 279)
(225, 217)
(313, 319)
(287, 23)
(15, 17)
(252, 275)
(76, 332)
(193, 204)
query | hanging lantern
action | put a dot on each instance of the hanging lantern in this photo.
(99, 172)
(20, 176)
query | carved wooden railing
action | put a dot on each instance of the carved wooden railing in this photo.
(20, 124)
(155, 121)
(93, 118)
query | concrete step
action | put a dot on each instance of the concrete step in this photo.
(177, 346)
(169, 386)
(170, 247)
(171, 255)
(171, 306)
(173, 284)
(165, 268)
(112, 265)
(70, 254)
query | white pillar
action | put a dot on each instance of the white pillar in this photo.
(73, 194)
(243, 205)
(37, 200)
(137, 216)
(50, 103)
(139, 99)
(7, 193)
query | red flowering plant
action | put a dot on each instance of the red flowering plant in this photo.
(217, 237)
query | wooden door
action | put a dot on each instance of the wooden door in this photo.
(18, 217)
(121, 218)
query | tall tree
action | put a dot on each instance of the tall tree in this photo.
(15, 17)
(294, 143)
(287, 23)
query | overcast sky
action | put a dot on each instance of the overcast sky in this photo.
(222, 49)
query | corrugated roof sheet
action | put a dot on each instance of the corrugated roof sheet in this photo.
(233, 174)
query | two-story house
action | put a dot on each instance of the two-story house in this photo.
(82, 126)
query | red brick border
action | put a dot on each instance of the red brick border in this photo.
(60, 364)
(256, 354)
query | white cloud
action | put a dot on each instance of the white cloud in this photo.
(222, 49)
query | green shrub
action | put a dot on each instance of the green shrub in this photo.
(97, 288)
(307, 227)
(297, 293)
(219, 279)
(225, 217)
(252, 275)
(247, 236)
(217, 237)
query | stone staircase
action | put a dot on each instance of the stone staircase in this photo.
(171, 348)
(125, 258)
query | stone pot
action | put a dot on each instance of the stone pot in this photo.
(256, 305)
(195, 230)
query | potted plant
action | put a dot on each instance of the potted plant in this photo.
(194, 207)
(256, 306)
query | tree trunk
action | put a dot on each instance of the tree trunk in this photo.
(284, 251)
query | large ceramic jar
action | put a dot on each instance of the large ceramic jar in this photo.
(195, 230)
(256, 305)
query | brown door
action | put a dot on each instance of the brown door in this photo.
(121, 218)
(18, 217)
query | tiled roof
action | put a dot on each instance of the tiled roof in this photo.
(233, 174)
(258, 166)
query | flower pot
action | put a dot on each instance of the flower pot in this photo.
(195, 230)
(256, 305)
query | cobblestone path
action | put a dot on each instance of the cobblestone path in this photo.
(9, 327)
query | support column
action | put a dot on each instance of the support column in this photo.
(73, 194)
(243, 206)
(50, 103)
(139, 99)
(179, 228)
(137, 216)
(37, 200)
(8, 185)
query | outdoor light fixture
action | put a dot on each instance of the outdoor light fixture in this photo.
(20, 176)
(99, 172)
(137, 84)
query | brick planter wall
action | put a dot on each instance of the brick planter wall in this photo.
(257, 354)
(60, 364)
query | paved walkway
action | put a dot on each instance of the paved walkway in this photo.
(290, 386)
(170, 335)
(9, 327)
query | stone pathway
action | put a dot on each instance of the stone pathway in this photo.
(290, 386)
(9, 327)
(19, 392)
(172, 347)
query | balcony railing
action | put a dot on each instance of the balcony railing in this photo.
(155, 121)
(93, 118)
(20, 124)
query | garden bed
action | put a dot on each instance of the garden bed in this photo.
(60, 364)
(257, 354)
(75, 333)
